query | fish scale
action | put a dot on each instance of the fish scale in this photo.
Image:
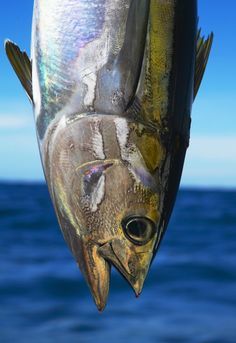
(112, 85)
(72, 34)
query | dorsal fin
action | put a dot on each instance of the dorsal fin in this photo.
(202, 55)
(22, 66)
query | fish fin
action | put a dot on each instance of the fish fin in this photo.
(166, 93)
(119, 78)
(152, 91)
(202, 55)
(22, 66)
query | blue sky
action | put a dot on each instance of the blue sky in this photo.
(211, 158)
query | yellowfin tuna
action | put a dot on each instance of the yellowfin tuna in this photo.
(112, 84)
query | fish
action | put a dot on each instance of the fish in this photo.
(112, 83)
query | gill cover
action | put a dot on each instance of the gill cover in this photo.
(112, 84)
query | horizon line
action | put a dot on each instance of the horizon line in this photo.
(202, 187)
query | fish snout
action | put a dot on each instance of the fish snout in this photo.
(95, 269)
(131, 261)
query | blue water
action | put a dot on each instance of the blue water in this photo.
(189, 296)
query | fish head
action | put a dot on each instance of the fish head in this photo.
(106, 197)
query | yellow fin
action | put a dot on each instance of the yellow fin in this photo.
(22, 66)
(202, 55)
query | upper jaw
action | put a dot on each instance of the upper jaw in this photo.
(95, 263)
(133, 265)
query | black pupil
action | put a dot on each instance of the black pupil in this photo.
(139, 230)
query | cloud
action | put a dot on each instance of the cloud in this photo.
(211, 161)
(213, 147)
(9, 122)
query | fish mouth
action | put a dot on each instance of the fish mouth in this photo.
(95, 263)
(132, 265)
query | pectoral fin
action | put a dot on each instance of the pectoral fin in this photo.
(22, 66)
(202, 55)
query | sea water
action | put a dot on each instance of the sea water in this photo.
(189, 295)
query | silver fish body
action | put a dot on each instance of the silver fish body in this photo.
(82, 60)
(113, 83)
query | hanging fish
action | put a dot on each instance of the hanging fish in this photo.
(112, 84)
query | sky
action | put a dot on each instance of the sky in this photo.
(211, 157)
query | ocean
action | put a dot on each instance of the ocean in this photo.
(189, 295)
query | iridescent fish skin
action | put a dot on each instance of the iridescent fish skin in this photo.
(113, 82)
(78, 49)
(85, 75)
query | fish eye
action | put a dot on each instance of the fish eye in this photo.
(138, 230)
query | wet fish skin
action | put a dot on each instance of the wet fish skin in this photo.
(100, 88)
(112, 87)
(97, 157)
(80, 56)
